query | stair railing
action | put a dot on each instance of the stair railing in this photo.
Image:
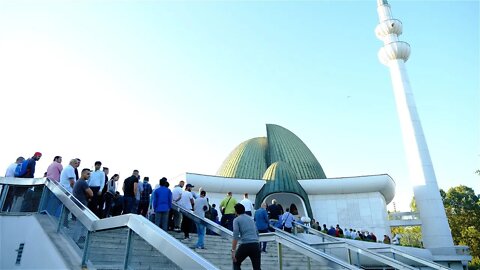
(392, 262)
(72, 209)
(279, 237)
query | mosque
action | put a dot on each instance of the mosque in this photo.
(281, 167)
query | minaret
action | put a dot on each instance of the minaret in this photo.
(394, 54)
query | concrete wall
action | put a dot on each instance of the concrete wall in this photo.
(359, 211)
(39, 252)
(352, 202)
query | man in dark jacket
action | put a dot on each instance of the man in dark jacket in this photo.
(130, 189)
(29, 170)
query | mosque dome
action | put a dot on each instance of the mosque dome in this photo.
(251, 158)
(281, 177)
(285, 146)
(280, 171)
(247, 160)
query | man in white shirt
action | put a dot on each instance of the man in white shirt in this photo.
(176, 196)
(347, 233)
(96, 183)
(187, 202)
(247, 204)
(11, 169)
(11, 173)
(67, 176)
(200, 207)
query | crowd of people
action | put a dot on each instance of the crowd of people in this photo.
(94, 189)
(354, 234)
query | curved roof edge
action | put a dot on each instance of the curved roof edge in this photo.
(224, 184)
(382, 183)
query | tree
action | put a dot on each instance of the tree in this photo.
(463, 210)
(413, 205)
(462, 207)
(411, 235)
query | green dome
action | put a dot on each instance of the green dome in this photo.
(281, 179)
(246, 161)
(285, 146)
(251, 158)
(280, 171)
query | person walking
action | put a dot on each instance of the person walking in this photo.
(245, 232)
(200, 207)
(110, 194)
(145, 197)
(11, 169)
(162, 203)
(96, 183)
(76, 169)
(247, 204)
(176, 196)
(262, 222)
(187, 202)
(274, 211)
(23, 195)
(287, 220)
(214, 213)
(28, 166)
(101, 202)
(67, 176)
(82, 192)
(55, 169)
(130, 189)
(11, 173)
(228, 211)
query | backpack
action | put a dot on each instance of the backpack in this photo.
(145, 194)
(207, 209)
(21, 169)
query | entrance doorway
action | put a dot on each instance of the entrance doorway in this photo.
(286, 199)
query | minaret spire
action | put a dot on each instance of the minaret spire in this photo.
(382, 2)
(435, 230)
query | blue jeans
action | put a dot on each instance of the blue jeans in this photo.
(201, 235)
(263, 244)
(129, 204)
(161, 219)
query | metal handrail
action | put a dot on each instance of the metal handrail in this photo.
(427, 263)
(279, 237)
(404, 216)
(159, 239)
(368, 253)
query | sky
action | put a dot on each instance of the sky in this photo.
(169, 87)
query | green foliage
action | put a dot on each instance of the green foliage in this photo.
(413, 205)
(462, 207)
(411, 235)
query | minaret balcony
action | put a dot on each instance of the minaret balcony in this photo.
(394, 51)
(389, 27)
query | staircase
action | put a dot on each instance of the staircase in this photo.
(218, 252)
(107, 252)
(102, 244)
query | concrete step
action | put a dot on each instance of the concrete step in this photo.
(107, 251)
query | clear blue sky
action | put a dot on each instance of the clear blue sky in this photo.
(171, 87)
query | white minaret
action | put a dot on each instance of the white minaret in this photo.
(394, 54)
